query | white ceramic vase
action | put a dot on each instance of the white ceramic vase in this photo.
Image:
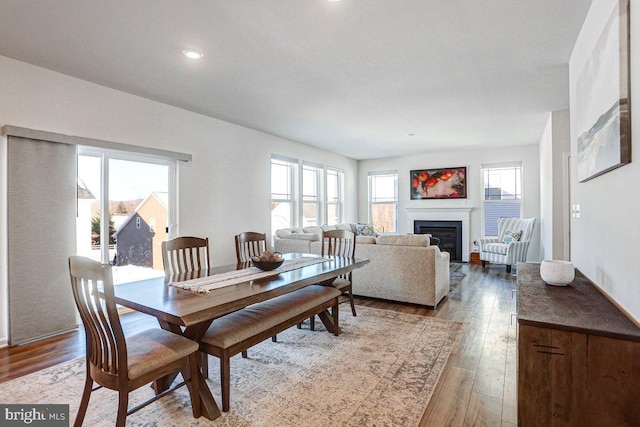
(557, 273)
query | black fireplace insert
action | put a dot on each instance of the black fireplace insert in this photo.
(449, 233)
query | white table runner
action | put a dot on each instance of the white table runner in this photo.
(216, 281)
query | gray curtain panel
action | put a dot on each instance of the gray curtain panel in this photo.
(41, 219)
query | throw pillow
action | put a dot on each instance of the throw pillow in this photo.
(512, 236)
(366, 230)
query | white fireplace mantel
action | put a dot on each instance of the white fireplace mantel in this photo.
(444, 214)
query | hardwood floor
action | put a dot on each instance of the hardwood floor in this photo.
(477, 387)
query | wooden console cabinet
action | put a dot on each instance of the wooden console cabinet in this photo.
(578, 356)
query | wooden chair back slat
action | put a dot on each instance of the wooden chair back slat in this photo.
(185, 254)
(249, 244)
(339, 243)
(106, 346)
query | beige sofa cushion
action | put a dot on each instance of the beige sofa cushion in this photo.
(404, 240)
(304, 236)
(296, 234)
(345, 227)
(365, 240)
(319, 229)
(315, 230)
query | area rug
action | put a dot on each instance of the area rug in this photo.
(455, 277)
(380, 371)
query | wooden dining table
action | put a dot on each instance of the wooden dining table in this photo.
(190, 314)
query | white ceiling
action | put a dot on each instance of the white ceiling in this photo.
(354, 77)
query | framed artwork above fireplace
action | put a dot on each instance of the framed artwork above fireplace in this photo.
(445, 183)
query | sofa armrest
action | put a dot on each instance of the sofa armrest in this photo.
(517, 251)
(488, 240)
(443, 279)
(485, 241)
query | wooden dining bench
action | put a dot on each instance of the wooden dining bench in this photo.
(236, 332)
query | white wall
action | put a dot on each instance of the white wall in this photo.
(554, 144)
(224, 191)
(604, 240)
(472, 159)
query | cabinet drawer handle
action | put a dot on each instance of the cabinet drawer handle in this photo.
(546, 346)
(550, 352)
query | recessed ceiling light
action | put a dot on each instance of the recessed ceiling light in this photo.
(192, 54)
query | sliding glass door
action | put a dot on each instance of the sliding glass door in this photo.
(126, 209)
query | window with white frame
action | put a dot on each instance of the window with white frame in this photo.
(121, 194)
(383, 201)
(311, 194)
(501, 194)
(335, 196)
(283, 190)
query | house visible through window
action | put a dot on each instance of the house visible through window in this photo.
(383, 201)
(502, 194)
(127, 229)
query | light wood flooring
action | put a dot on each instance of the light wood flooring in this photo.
(477, 387)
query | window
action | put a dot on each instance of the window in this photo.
(283, 201)
(126, 205)
(311, 202)
(502, 194)
(335, 196)
(383, 201)
(305, 194)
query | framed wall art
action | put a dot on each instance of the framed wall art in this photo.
(446, 183)
(603, 110)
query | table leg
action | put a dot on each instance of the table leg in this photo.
(208, 404)
(330, 321)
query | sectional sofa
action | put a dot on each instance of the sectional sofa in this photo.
(403, 268)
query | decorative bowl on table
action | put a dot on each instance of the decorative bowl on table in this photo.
(268, 261)
(556, 272)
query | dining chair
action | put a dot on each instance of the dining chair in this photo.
(124, 363)
(249, 244)
(339, 243)
(185, 254)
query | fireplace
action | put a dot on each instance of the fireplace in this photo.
(443, 214)
(449, 233)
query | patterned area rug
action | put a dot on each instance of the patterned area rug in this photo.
(380, 371)
(455, 277)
